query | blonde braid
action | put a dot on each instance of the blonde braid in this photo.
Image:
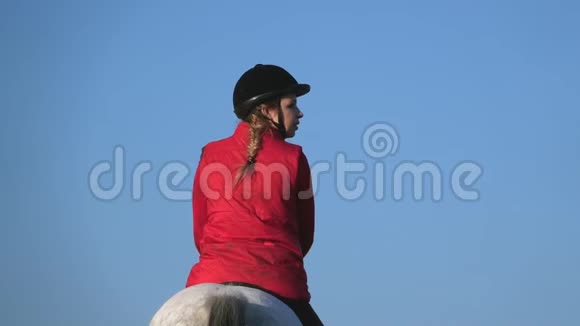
(258, 125)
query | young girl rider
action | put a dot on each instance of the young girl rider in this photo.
(253, 208)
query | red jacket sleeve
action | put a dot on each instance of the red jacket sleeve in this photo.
(199, 203)
(305, 205)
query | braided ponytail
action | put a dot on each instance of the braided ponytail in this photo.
(258, 125)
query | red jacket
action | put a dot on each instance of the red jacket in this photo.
(259, 230)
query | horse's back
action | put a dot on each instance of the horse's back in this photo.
(190, 306)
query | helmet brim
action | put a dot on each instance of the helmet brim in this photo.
(298, 90)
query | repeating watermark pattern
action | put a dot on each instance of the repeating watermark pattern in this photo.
(379, 141)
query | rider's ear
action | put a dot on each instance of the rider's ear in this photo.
(268, 110)
(263, 109)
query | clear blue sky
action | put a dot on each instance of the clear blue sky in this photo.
(492, 82)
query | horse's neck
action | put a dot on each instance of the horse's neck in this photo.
(188, 306)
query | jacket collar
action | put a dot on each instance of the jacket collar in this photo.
(243, 132)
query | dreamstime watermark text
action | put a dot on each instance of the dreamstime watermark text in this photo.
(380, 141)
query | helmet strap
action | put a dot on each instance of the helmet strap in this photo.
(281, 126)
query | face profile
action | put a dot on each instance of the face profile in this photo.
(291, 114)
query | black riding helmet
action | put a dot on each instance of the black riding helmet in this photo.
(261, 84)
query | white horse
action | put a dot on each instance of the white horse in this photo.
(211, 304)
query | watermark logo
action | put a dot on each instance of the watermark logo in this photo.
(380, 142)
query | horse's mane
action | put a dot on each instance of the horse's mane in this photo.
(226, 310)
